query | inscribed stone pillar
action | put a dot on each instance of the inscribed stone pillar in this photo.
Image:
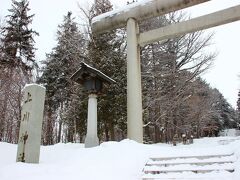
(31, 124)
(91, 139)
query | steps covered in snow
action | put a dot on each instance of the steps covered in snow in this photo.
(190, 167)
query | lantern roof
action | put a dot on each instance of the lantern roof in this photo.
(88, 72)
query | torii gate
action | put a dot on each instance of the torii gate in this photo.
(130, 16)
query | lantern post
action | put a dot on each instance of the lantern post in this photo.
(92, 80)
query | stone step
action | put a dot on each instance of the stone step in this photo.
(192, 161)
(189, 168)
(217, 175)
(211, 167)
(191, 156)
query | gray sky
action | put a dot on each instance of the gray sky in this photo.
(223, 75)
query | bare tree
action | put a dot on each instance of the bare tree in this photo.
(169, 68)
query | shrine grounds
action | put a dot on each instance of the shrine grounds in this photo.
(123, 160)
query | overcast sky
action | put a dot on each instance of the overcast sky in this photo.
(223, 75)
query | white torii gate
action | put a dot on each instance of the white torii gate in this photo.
(130, 16)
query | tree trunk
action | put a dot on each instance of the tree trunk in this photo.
(49, 133)
(59, 131)
(112, 132)
(157, 133)
(6, 93)
(106, 131)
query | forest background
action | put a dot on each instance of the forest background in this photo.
(176, 100)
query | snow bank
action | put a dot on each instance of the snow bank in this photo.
(230, 132)
(123, 160)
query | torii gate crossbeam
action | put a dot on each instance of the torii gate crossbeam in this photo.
(130, 18)
(196, 24)
(139, 11)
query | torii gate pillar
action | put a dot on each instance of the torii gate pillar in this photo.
(134, 90)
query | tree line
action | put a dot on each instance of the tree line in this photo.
(176, 100)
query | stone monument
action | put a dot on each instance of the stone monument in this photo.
(31, 124)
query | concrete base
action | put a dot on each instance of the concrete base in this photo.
(91, 141)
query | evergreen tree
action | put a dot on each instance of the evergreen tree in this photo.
(208, 110)
(18, 42)
(17, 60)
(60, 64)
(105, 52)
(76, 115)
(225, 115)
(238, 107)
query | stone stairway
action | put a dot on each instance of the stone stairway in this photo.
(211, 167)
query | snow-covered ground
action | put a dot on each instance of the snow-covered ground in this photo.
(123, 160)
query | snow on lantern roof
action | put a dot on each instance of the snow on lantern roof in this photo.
(86, 71)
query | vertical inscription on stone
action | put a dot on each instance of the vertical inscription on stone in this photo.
(31, 124)
(29, 98)
(26, 116)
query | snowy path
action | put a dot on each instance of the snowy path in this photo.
(123, 160)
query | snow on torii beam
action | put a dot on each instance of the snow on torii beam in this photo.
(139, 11)
(129, 16)
(196, 24)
